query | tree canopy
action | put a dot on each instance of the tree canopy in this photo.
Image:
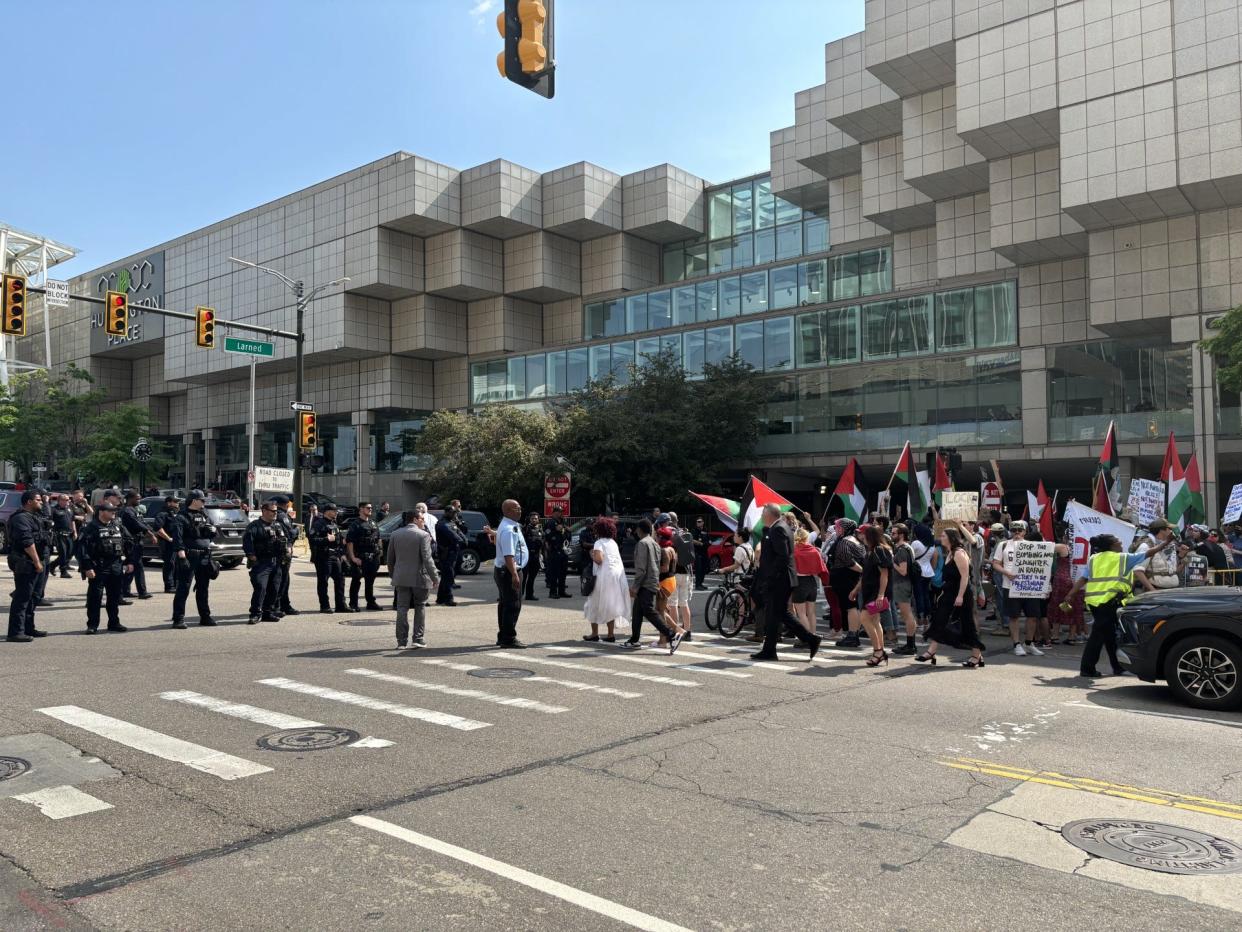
(1226, 346)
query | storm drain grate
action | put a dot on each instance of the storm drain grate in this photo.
(1154, 846)
(322, 738)
(502, 673)
(11, 767)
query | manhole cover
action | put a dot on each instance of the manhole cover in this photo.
(322, 738)
(502, 673)
(1154, 846)
(11, 767)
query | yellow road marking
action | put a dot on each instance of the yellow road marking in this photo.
(1099, 787)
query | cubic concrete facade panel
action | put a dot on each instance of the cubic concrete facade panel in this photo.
(1053, 301)
(464, 265)
(504, 325)
(914, 258)
(619, 263)
(855, 101)
(663, 204)
(1141, 275)
(501, 199)
(1028, 224)
(909, 44)
(383, 263)
(542, 267)
(964, 237)
(1220, 259)
(1209, 137)
(1105, 47)
(935, 159)
(819, 145)
(582, 201)
(452, 380)
(845, 215)
(790, 178)
(972, 16)
(886, 198)
(417, 196)
(429, 327)
(1206, 34)
(562, 322)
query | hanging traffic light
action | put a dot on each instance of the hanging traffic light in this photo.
(14, 306)
(528, 59)
(308, 431)
(116, 313)
(205, 327)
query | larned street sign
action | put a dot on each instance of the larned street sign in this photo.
(301, 406)
(249, 347)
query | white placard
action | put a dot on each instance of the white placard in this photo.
(1233, 511)
(1033, 563)
(1085, 523)
(56, 293)
(271, 479)
(960, 506)
(883, 502)
(1146, 502)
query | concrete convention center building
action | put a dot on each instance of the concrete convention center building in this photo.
(994, 226)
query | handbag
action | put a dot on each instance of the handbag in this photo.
(588, 578)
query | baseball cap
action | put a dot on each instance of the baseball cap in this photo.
(997, 528)
(196, 495)
(663, 519)
(106, 505)
(1017, 525)
(1158, 525)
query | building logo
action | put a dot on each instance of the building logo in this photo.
(143, 281)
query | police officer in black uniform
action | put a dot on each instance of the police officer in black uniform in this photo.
(192, 534)
(533, 532)
(46, 546)
(63, 533)
(25, 531)
(102, 558)
(327, 545)
(138, 532)
(163, 521)
(292, 532)
(362, 546)
(265, 545)
(449, 542)
(555, 534)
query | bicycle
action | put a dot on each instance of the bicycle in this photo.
(715, 599)
(736, 610)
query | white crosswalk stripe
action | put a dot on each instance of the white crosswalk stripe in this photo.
(733, 645)
(721, 658)
(568, 684)
(206, 760)
(63, 802)
(651, 661)
(250, 713)
(380, 705)
(518, 702)
(574, 665)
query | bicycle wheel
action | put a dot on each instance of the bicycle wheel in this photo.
(711, 611)
(733, 613)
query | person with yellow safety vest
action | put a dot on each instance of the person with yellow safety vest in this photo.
(1108, 581)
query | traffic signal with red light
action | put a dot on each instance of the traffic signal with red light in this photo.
(14, 310)
(308, 431)
(205, 327)
(528, 59)
(116, 313)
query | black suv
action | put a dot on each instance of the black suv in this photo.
(1191, 638)
(627, 539)
(229, 519)
(479, 549)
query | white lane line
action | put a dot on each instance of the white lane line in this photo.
(652, 662)
(573, 665)
(251, 713)
(379, 705)
(1078, 704)
(195, 756)
(570, 684)
(589, 901)
(515, 701)
(62, 802)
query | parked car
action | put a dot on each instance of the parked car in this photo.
(627, 538)
(228, 518)
(10, 502)
(478, 551)
(720, 550)
(344, 513)
(1191, 638)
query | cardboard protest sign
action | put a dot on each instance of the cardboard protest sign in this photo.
(1146, 502)
(960, 506)
(1033, 563)
(1233, 511)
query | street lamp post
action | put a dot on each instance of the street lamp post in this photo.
(303, 300)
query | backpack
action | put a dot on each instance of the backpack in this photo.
(683, 544)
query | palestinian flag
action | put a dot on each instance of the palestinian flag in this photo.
(750, 509)
(1186, 494)
(1106, 474)
(917, 497)
(1041, 509)
(850, 494)
(726, 508)
(941, 482)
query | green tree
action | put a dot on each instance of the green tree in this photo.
(46, 418)
(1226, 346)
(500, 452)
(108, 442)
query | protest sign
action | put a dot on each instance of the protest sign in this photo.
(1085, 523)
(1146, 502)
(960, 506)
(1033, 564)
(1233, 511)
(883, 501)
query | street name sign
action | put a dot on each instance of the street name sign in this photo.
(301, 406)
(249, 347)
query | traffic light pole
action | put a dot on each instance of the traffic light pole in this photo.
(300, 367)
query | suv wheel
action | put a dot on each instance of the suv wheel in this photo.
(713, 564)
(1205, 671)
(468, 562)
(4, 537)
(229, 563)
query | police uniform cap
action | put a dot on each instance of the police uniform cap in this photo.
(196, 495)
(106, 505)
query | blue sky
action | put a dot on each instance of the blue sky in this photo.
(158, 118)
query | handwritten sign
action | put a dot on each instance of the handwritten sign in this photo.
(1233, 511)
(1146, 502)
(1085, 523)
(960, 506)
(1033, 564)
(883, 502)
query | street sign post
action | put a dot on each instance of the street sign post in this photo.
(249, 347)
(301, 406)
(556, 489)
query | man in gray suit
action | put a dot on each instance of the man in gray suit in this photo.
(413, 574)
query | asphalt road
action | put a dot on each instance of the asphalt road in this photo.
(600, 792)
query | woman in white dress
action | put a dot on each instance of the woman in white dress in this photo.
(610, 599)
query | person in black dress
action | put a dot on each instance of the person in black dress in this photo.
(953, 620)
(875, 584)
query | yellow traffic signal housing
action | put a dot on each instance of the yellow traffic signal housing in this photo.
(205, 327)
(528, 59)
(116, 313)
(308, 431)
(14, 306)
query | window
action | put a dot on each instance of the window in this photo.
(684, 305)
(754, 292)
(765, 247)
(813, 283)
(705, 302)
(601, 361)
(955, 319)
(719, 346)
(880, 324)
(778, 344)
(842, 326)
(671, 343)
(645, 349)
(674, 262)
(576, 369)
(875, 271)
(536, 379)
(789, 241)
(636, 313)
(784, 287)
(694, 348)
(914, 326)
(743, 208)
(815, 235)
(765, 204)
(557, 384)
(787, 212)
(622, 360)
(593, 321)
(515, 390)
(614, 317)
(730, 296)
(996, 320)
(743, 251)
(659, 310)
(844, 276)
(720, 256)
(812, 340)
(720, 214)
(696, 258)
(750, 343)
